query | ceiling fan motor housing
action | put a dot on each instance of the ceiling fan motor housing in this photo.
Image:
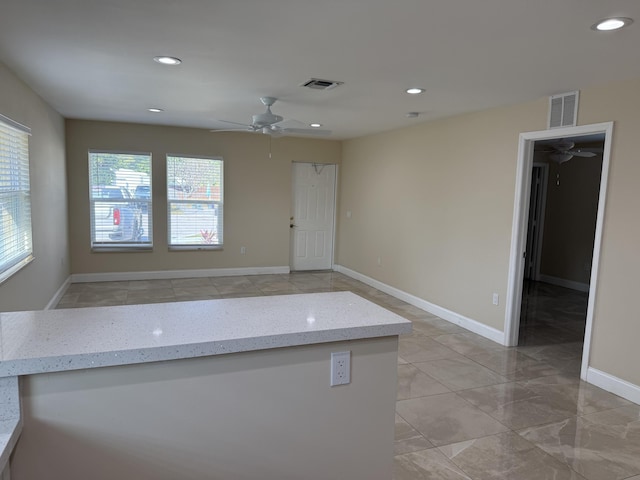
(265, 119)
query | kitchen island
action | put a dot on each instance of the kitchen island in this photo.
(220, 389)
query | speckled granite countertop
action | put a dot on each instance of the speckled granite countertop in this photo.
(59, 340)
(10, 420)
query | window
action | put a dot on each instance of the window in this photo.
(195, 197)
(16, 248)
(120, 199)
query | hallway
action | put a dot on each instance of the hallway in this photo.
(551, 314)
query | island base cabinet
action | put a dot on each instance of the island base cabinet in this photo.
(268, 414)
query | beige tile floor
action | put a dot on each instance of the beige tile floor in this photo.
(467, 408)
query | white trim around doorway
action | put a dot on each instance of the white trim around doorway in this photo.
(519, 228)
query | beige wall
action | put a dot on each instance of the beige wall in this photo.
(259, 415)
(570, 219)
(435, 202)
(257, 193)
(35, 285)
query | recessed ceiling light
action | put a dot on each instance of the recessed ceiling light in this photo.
(155, 110)
(609, 24)
(167, 60)
(315, 125)
(414, 91)
(412, 114)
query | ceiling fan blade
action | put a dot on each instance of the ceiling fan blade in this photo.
(306, 131)
(578, 153)
(250, 130)
(235, 123)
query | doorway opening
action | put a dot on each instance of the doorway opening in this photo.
(312, 220)
(558, 218)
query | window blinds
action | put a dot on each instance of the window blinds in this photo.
(195, 202)
(16, 248)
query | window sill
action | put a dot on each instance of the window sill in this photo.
(194, 248)
(7, 274)
(122, 249)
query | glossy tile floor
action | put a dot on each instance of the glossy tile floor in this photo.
(467, 408)
(551, 314)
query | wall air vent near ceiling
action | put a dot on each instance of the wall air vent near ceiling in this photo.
(563, 109)
(320, 84)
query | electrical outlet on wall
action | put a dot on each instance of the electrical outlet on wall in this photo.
(340, 368)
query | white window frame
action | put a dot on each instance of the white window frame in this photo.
(113, 245)
(218, 205)
(14, 157)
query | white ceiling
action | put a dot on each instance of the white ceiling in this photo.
(92, 59)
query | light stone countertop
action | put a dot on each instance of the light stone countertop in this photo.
(10, 420)
(59, 340)
(9, 433)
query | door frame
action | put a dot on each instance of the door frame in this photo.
(335, 213)
(519, 228)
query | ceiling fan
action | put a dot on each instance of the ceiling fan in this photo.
(271, 124)
(564, 150)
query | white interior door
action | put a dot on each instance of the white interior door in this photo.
(313, 217)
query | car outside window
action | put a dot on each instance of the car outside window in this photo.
(120, 199)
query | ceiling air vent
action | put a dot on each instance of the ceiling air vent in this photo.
(563, 109)
(319, 84)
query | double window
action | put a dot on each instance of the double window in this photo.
(16, 248)
(120, 200)
(195, 202)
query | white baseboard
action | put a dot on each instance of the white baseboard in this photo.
(167, 274)
(612, 384)
(58, 295)
(562, 282)
(453, 317)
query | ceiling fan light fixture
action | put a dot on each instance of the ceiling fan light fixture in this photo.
(560, 157)
(165, 60)
(609, 24)
(414, 90)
